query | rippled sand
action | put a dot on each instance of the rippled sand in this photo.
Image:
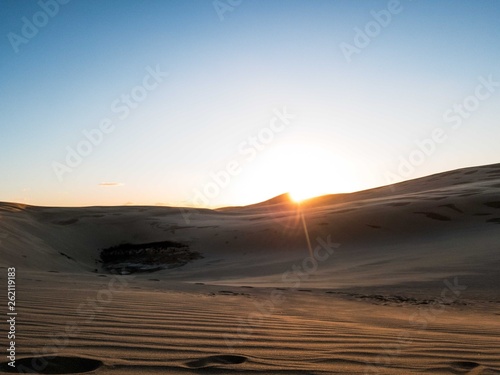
(397, 281)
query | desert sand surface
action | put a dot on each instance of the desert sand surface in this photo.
(395, 280)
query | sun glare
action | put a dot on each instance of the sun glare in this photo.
(308, 171)
(305, 168)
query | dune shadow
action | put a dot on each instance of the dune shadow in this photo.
(495, 204)
(494, 220)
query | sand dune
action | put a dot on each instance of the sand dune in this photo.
(398, 280)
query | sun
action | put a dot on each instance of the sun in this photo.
(305, 168)
(308, 170)
(299, 195)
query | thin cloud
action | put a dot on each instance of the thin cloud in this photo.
(110, 184)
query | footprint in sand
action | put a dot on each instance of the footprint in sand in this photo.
(52, 365)
(468, 366)
(216, 360)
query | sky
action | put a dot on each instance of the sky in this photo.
(231, 102)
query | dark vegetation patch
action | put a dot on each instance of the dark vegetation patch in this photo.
(374, 226)
(471, 172)
(495, 220)
(147, 257)
(230, 293)
(435, 216)
(380, 299)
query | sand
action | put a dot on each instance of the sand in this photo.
(394, 280)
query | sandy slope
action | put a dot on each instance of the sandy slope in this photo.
(404, 280)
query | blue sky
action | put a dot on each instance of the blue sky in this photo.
(356, 124)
